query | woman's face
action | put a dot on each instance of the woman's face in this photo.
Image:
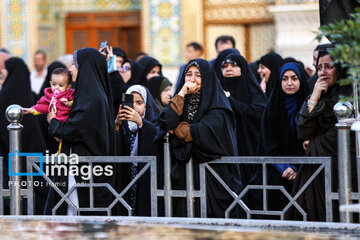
(290, 82)
(119, 61)
(264, 72)
(166, 96)
(193, 75)
(3, 75)
(125, 71)
(139, 104)
(154, 72)
(231, 70)
(74, 72)
(327, 69)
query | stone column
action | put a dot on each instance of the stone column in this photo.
(19, 28)
(294, 24)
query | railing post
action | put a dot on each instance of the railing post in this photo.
(356, 127)
(167, 177)
(343, 110)
(190, 189)
(14, 116)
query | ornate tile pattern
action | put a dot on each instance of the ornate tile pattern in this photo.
(165, 31)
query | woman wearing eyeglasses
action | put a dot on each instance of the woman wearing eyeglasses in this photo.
(127, 75)
(316, 127)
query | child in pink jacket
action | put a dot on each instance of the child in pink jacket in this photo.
(57, 98)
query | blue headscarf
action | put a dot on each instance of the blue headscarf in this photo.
(291, 101)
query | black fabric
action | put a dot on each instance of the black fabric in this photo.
(148, 63)
(119, 52)
(333, 10)
(118, 86)
(214, 135)
(154, 85)
(17, 90)
(253, 68)
(278, 139)
(220, 58)
(90, 130)
(318, 126)
(146, 147)
(248, 103)
(272, 61)
(51, 144)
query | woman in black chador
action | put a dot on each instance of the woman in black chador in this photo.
(269, 70)
(16, 90)
(248, 102)
(202, 127)
(90, 129)
(221, 58)
(152, 68)
(278, 135)
(129, 74)
(316, 126)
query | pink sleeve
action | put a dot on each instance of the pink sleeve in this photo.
(42, 105)
(70, 96)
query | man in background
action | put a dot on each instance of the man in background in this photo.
(193, 50)
(221, 43)
(38, 75)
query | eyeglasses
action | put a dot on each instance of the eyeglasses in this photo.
(227, 62)
(124, 69)
(327, 66)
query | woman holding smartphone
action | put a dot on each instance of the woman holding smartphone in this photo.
(135, 125)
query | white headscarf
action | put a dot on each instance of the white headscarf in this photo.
(133, 127)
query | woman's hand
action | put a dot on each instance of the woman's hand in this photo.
(320, 86)
(50, 116)
(305, 144)
(263, 85)
(289, 174)
(109, 53)
(130, 114)
(188, 88)
(227, 94)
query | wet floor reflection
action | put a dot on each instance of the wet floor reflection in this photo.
(26, 229)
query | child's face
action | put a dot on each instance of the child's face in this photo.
(59, 82)
(139, 104)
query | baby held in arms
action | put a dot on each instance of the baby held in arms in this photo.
(58, 98)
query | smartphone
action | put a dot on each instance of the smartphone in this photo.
(103, 45)
(127, 100)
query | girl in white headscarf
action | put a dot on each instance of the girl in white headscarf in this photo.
(136, 128)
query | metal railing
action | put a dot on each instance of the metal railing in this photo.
(33, 163)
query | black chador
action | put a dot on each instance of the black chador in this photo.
(148, 63)
(17, 90)
(278, 134)
(204, 129)
(273, 62)
(118, 86)
(89, 130)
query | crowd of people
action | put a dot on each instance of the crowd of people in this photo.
(223, 107)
